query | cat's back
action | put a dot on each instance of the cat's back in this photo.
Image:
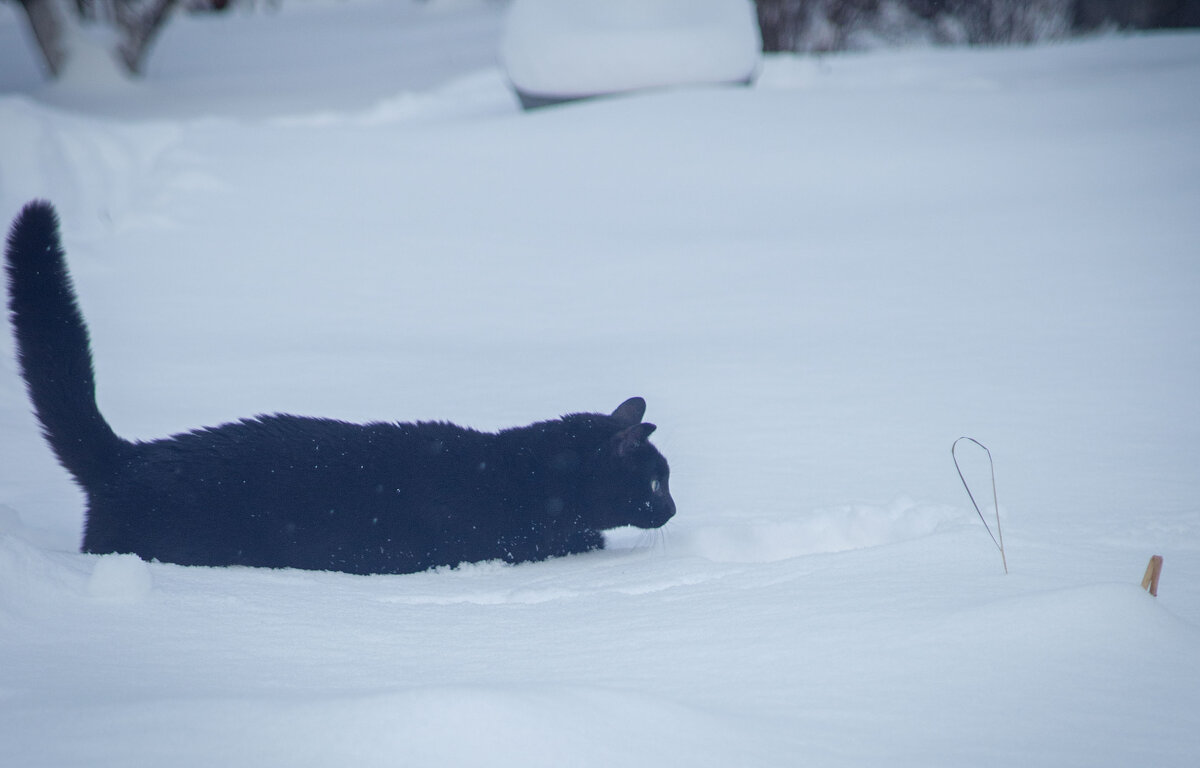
(299, 445)
(294, 491)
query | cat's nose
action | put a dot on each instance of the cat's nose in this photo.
(665, 510)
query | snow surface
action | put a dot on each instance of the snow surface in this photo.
(818, 283)
(573, 48)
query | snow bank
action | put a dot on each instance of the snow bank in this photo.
(817, 283)
(746, 540)
(120, 579)
(556, 50)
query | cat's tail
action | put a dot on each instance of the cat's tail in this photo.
(53, 348)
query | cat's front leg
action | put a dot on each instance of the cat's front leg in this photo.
(583, 540)
(545, 544)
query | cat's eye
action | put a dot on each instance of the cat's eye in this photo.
(655, 485)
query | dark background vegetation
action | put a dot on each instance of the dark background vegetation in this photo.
(830, 25)
(787, 25)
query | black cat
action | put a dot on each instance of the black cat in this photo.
(288, 491)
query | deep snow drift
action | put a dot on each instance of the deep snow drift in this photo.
(817, 283)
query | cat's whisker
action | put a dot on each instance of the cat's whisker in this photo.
(662, 541)
(654, 540)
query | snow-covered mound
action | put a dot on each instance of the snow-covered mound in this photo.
(558, 50)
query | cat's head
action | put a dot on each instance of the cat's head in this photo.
(629, 479)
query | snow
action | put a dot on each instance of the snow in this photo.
(120, 578)
(572, 48)
(818, 283)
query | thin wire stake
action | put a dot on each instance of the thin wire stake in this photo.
(999, 542)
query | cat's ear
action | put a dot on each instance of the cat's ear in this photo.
(630, 412)
(633, 437)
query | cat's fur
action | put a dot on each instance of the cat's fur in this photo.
(288, 491)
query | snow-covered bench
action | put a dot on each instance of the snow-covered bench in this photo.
(561, 50)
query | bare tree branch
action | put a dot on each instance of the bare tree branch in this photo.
(139, 25)
(47, 29)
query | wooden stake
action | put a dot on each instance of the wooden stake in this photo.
(1153, 571)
